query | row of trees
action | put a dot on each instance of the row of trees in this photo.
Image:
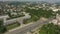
(19, 14)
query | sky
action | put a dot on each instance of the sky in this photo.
(34, 0)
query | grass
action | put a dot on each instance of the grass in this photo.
(32, 19)
(9, 27)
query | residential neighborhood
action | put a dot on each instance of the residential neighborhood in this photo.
(29, 17)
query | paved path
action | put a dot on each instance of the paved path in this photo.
(29, 28)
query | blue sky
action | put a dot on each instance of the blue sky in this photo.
(34, 0)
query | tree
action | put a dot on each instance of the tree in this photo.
(49, 29)
(9, 14)
(2, 27)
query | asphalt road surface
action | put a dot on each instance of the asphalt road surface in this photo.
(29, 27)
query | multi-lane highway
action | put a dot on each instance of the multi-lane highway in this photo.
(29, 27)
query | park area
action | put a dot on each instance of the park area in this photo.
(37, 14)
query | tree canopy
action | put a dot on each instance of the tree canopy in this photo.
(49, 29)
(2, 27)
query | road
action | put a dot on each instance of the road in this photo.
(11, 21)
(29, 27)
(20, 19)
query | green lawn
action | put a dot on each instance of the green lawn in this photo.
(12, 26)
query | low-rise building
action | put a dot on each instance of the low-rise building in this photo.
(57, 20)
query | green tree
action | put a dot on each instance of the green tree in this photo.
(9, 14)
(2, 27)
(49, 29)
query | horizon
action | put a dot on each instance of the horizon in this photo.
(50, 1)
